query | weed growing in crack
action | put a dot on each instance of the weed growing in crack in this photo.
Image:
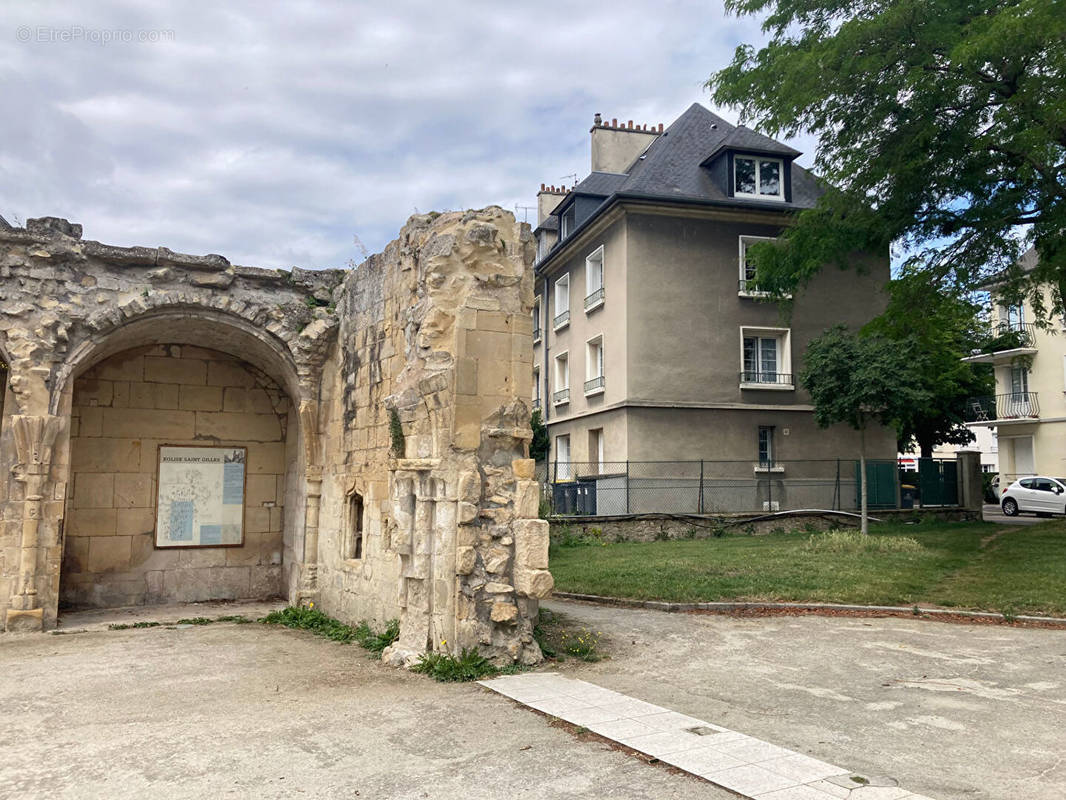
(469, 665)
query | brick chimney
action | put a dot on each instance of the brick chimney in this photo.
(547, 199)
(615, 146)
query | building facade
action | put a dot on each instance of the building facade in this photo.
(651, 340)
(1028, 411)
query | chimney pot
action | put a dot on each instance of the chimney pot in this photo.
(660, 127)
(597, 119)
(630, 124)
(614, 122)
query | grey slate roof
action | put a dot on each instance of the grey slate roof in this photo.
(603, 184)
(671, 167)
(550, 223)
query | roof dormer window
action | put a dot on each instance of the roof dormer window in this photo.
(755, 176)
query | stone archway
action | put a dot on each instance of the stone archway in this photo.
(190, 377)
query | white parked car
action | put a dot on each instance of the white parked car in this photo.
(1038, 494)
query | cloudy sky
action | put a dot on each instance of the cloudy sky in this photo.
(279, 134)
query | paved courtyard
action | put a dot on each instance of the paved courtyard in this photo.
(231, 710)
(251, 711)
(954, 712)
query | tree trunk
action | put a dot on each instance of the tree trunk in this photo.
(862, 481)
(925, 450)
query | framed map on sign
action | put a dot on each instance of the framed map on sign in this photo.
(201, 497)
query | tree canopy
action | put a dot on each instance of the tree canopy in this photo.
(941, 125)
(935, 327)
(859, 380)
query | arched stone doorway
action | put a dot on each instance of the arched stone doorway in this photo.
(189, 378)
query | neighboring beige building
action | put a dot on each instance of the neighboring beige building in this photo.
(1028, 411)
(651, 341)
(176, 428)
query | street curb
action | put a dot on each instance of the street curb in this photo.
(726, 607)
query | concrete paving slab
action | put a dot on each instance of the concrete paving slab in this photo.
(955, 712)
(255, 711)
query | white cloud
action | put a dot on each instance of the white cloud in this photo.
(275, 133)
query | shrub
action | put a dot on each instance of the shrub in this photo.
(470, 665)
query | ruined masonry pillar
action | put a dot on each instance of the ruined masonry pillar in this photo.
(309, 582)
(34, 438)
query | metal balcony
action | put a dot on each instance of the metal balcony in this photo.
(768, 379)
(1006, 340)
(561, 320)
(536, 403)
(751, 289)
(594, 385)
(1016, 406)
(594, 300)
(561, 396)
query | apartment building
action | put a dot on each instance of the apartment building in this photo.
(1028, 411)
(652, 341)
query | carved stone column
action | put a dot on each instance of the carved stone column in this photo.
(313, 493)
(34, 438)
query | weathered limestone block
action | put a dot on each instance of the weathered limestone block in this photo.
(536, 583)
(527, 499)
(504, 612)
(523, 468)
(532, 538)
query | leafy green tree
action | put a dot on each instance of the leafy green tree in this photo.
(538, 448)
(935, 326)
(859, 380)
(941, 125)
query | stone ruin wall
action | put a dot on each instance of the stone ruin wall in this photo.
(436, 331)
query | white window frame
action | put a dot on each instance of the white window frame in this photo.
(562, 378)
(536, 387)
(559, 291)
(780, 196)
(591, 302)
(743, 241)
(594, 370)
(567, 222)
(564, 464)
(538, 318)
(784, 357)
(597, 456)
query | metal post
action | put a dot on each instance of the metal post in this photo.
(699, 504)
(627, 485)
(770, 488)
(836, 489)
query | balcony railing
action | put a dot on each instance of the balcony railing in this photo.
(1010, 336)
(561, 320)
(536, 403)
(768, 378)
(750, 288)
(594, 385)
(1016, 405)
(536, 335)
(595, 299)
(561, 396)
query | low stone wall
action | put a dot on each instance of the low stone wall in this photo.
(662, 527)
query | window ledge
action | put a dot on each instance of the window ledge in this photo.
(751, 294)
(591, 392)
(352, 563)
(592, 307)
(773, 387)
(769, 469)
(561, 326)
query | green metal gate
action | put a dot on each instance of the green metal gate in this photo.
(938, 482)
(881, 488)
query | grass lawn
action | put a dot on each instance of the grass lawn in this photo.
(1016, 569)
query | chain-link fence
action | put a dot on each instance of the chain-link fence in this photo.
(726, 487)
